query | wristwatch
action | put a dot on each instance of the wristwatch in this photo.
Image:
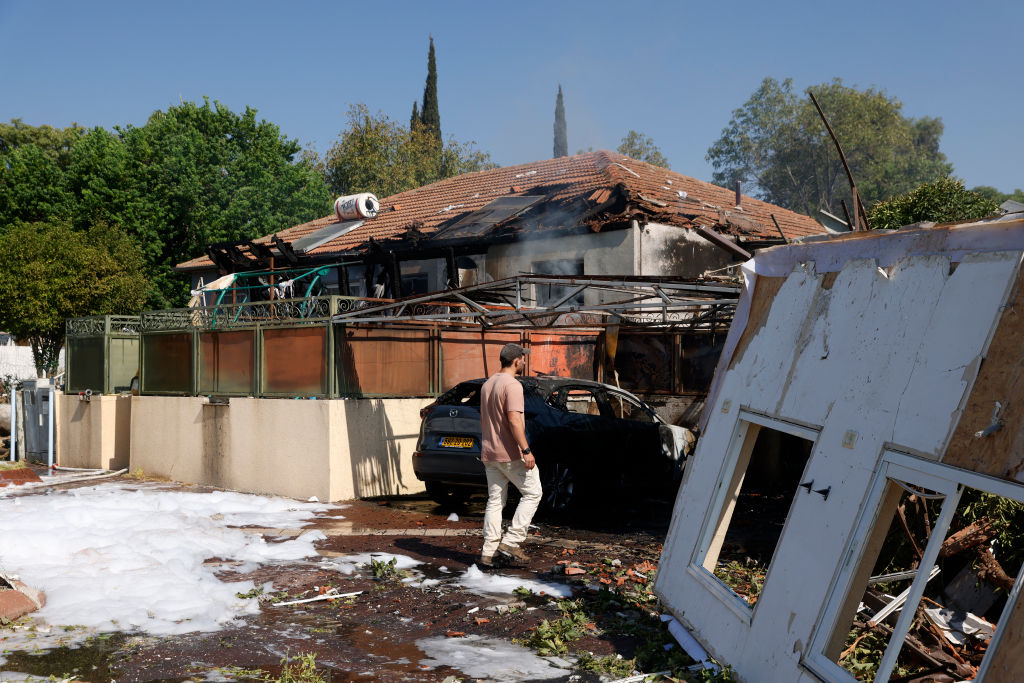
(527, 451)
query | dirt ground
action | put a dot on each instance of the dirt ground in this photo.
(373, 636)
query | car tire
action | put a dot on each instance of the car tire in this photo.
(443, 494)
(561, 489)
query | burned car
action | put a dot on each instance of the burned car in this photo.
(587, 438)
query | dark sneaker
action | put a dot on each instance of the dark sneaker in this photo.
(514, 552)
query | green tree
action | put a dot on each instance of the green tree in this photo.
(204, 174)
(415, 118)
(642, 148)
(431, 114)
(561, 133)
(51, 272)
(376, 154)
(777, 143)
(33, 187)
(55, 142)
(998, 197)
(944, 201)
(96, 180)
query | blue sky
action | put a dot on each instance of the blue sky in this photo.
(672, 70)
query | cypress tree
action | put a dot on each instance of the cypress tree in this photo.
(415, 120)
(561, 136)
(431, 116)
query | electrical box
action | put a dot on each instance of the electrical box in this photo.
(35, 410)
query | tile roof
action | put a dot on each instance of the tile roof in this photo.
(663, 195)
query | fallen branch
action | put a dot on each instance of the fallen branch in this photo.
(972, 535)
(990, 570)
(853, 648)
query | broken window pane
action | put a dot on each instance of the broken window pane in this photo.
(549, 295)
(887, 567)
(756, 505)
(582, 401)
(626, 408)
(963, 597)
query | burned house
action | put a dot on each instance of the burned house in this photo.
(595, 215)
(598, 213)
(854, 506)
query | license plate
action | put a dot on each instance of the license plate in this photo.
(457, 441)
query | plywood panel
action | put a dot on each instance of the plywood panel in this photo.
(1008, 659)
(1001, 379)
(765, 289)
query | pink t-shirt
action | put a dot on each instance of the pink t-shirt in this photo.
(500, 394)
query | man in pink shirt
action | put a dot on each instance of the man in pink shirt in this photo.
(507, 458)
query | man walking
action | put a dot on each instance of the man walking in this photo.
(507, 457)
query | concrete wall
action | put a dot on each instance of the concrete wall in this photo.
(653, 249)
(94, 434)
(602, 253)
(668, 250)
(334, 449)
(868, 357)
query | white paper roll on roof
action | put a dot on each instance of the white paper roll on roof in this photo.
(356, 207)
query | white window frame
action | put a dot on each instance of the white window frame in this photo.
(748, 425)
(900, 466)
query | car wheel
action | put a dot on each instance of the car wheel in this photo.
(447, 495)
(561, 488)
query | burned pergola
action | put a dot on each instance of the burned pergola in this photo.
(567, 302)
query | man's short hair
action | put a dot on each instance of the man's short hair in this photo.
(510, 352)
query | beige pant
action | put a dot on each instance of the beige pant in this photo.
(499, 474)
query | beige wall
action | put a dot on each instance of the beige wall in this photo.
(93, 434)
(332, 449)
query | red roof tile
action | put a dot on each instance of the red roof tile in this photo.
(664, 195)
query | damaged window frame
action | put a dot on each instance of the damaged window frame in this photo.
(899, 468)
(715, 527)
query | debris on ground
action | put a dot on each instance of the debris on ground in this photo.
(377, 595)
(17, 474)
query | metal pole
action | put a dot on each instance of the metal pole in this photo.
(49, 432)
(860, 221)
(14, 423)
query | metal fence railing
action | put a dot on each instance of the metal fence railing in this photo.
(311, 348)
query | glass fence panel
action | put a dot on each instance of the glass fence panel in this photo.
(124, 363)
(469, 355)
(374, 362)
(85, 364)
(295, 361)
(227, 362)
(564, 355)
(167, 364)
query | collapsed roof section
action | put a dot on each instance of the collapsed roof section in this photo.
(591, 192)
